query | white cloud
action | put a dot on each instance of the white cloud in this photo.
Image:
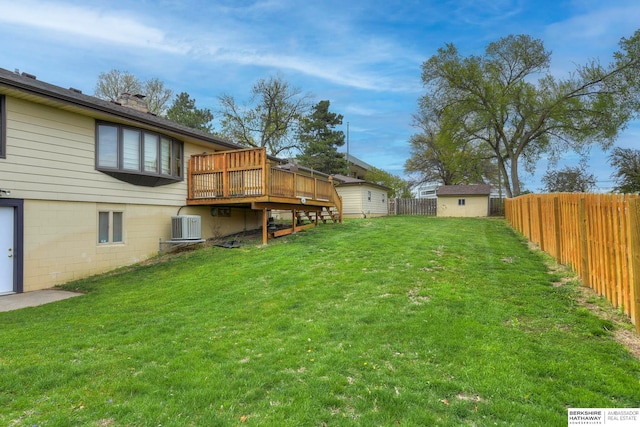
(243, 35)
(107, 26)
(597, 28)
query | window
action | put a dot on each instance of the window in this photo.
(110, 227)
(461, 202)
(369, 196)
(151, 153)
(138, 156)
(3, 126)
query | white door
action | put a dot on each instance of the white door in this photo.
(7, 256)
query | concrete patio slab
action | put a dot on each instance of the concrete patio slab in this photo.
(33, 298)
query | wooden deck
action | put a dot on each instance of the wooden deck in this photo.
(247, 178)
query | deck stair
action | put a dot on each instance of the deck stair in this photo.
(330, 214)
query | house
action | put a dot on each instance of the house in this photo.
(361, 199)
(463, 200)
(426, 190)
(88, 185)
(357, 168)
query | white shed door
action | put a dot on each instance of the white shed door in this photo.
(7, 255)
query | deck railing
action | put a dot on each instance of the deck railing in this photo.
(248, 173)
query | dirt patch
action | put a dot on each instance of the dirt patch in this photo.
(630, 339)
(469, 397)
(623, 332)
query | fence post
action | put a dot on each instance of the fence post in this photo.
(634, 233)
(541, 225)
(584, 243)
(558, 228)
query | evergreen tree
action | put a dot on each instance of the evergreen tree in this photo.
(320, 140)
(184, 111)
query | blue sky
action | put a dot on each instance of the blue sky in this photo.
(364, 56)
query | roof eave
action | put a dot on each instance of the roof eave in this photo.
(119, 112)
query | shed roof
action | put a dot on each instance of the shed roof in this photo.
(343, 180)
(464, 190)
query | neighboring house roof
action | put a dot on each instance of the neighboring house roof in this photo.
(464, 190)
(293, 168)
(21, 84)
(356, 161)
(343, 180)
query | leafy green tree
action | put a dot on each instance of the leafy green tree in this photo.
(626, 162)
(497, 101)
(399, 187)
(320, 140)
(184, 111)
(111, 85)
(568, 180)
(444, 153)
(272, 120)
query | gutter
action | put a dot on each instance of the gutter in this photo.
(95, 104)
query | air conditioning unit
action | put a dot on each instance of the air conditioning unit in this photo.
(186, 227)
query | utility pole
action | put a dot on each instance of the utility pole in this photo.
(347, 140)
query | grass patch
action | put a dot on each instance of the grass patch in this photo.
(392, 321)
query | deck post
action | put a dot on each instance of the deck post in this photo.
(225, 176)
(190, 178)
(315, 188)
(293, 220)
(265, 236)
(265, 172)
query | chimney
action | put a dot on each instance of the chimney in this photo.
(136, 102)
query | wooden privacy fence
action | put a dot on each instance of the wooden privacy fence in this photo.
(427, 207)
(597, 235)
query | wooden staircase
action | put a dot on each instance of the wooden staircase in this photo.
(326, 215)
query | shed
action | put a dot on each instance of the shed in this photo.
(463, 200)
(360, 198)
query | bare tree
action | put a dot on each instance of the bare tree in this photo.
(272, 119)
(157, 96)
(113, 84)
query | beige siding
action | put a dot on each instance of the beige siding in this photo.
(61, 238)
(50, 163)
(351, 201)
(475, 206)
(51, 156)
(356, 203)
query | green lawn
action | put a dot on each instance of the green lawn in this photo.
(394, 321)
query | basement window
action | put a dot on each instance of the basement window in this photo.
(110, 227)
(138, 156)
